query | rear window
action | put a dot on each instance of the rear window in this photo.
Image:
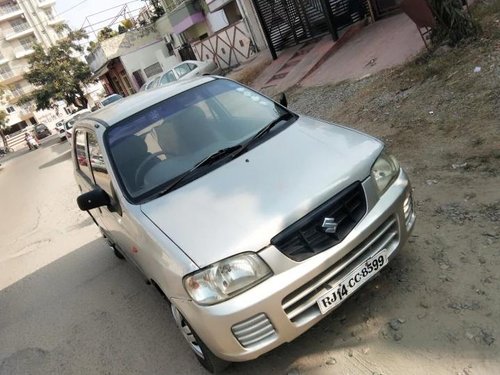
(110, 99)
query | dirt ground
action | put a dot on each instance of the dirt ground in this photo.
(437, 306)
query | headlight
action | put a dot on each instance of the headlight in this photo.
(227, 278)
(384, 171)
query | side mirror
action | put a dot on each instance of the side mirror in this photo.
(283, 100)
(93, 199)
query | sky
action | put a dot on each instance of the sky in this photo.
(75, 12)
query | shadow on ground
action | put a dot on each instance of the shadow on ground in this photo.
(89, 312)
(62, 157)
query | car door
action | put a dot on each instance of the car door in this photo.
(114, 219)
(83, 173)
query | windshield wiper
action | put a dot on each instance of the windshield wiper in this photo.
(266, 129)
(210, 159)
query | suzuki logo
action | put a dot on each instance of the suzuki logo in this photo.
(329, 225)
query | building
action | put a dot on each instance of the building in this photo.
(123, 63)
(226, 31)
(292, 22)
(22, 23)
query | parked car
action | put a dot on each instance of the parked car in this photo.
(70, 121)
(61, 132)
(185, 70)
(41, 131)
(253, 221)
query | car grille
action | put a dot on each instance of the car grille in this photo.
(307, 236)
(301, 307)
(254, 331)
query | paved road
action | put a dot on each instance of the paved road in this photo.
(67, 305)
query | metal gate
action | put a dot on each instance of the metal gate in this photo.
(290, 22)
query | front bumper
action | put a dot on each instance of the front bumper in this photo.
(284, 306)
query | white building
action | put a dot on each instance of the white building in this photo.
(22, 23)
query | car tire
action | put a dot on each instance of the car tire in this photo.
(207, 359)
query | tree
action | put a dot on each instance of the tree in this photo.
(57, 73)
(453, 24)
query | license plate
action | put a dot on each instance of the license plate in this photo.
(350, 283)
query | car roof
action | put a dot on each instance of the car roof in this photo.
(82, 111)
(126, 107)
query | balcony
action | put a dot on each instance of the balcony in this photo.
(214, 5)
(10, 11)
(12, 76)
(18, 93)
(21, 52)
(19, 31)
(46, 3)
(185, 15)
(55, 20)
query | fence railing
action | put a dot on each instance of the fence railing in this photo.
(9, 8)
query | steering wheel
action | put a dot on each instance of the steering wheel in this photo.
(139, 173)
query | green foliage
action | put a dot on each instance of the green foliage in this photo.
(453, 23)
(57, 73)
(128, 23)
(106, 33)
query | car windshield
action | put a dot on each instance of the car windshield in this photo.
(40, 127)
(151, 148)
(168, 77)
(153, 83)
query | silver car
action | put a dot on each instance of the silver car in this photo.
(253, 221)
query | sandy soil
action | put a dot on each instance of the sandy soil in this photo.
(436, 310)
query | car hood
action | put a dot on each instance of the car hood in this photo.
(241, 205)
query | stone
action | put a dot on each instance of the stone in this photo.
(331, 361)
(395, 324)
(397, 336)
(487, 337)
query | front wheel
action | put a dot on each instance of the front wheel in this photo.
(207, 359)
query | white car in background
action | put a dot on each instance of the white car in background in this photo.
(185, 70)
(70, 121)
(61, 132)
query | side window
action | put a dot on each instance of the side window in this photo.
(192, 66)
(81, 153)
(167, 77)
(99, 169)
(182, 70)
